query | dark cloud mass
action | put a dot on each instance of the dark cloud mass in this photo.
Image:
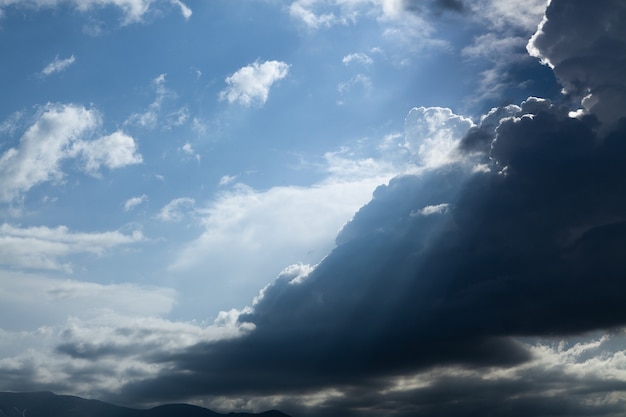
(446, 271)
(585, 44)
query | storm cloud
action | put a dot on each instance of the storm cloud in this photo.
(454, 273)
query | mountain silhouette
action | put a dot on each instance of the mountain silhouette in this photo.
(47, 404)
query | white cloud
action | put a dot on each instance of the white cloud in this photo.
(113, 151)
(358, 57)
(251, 84)
(70, 332)
(359, 82)
(324, 13)
(132, 10)
(56, 135)
(58, 65)
(227, 179)
(432, 135)
(430, 210)
(133, 202)
(184, 10)
(175, 210)
(149, 118)
(273, 228)
(45, 248)
(408, 31)
(11, 124)
(510, 14)
(188, 150)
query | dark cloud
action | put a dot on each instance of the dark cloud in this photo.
(532, 248)
(585, 44)
(448, 270)
(435, 6)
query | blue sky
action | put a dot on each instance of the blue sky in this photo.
(162, 162)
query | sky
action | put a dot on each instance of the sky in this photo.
(326, 207)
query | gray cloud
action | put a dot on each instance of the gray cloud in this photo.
(531, 248)
(585, 44)
(435, 6)
(438, 314)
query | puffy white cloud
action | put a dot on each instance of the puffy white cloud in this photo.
(42, 147)
(58, 65)
(113, 151)
(58, 134)
(251, 84)
(44, 247)
(433, 134)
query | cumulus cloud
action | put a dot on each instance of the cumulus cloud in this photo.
(585, 45)
(113, 151)
(44, 247)
(59, 133)
(251, 84)
(58, 65)
(432, 134)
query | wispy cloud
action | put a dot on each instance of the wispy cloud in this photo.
(44, 247)
(176, 209)
(133, 202)
(58, 65)
(133, 11)
(358, 57)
